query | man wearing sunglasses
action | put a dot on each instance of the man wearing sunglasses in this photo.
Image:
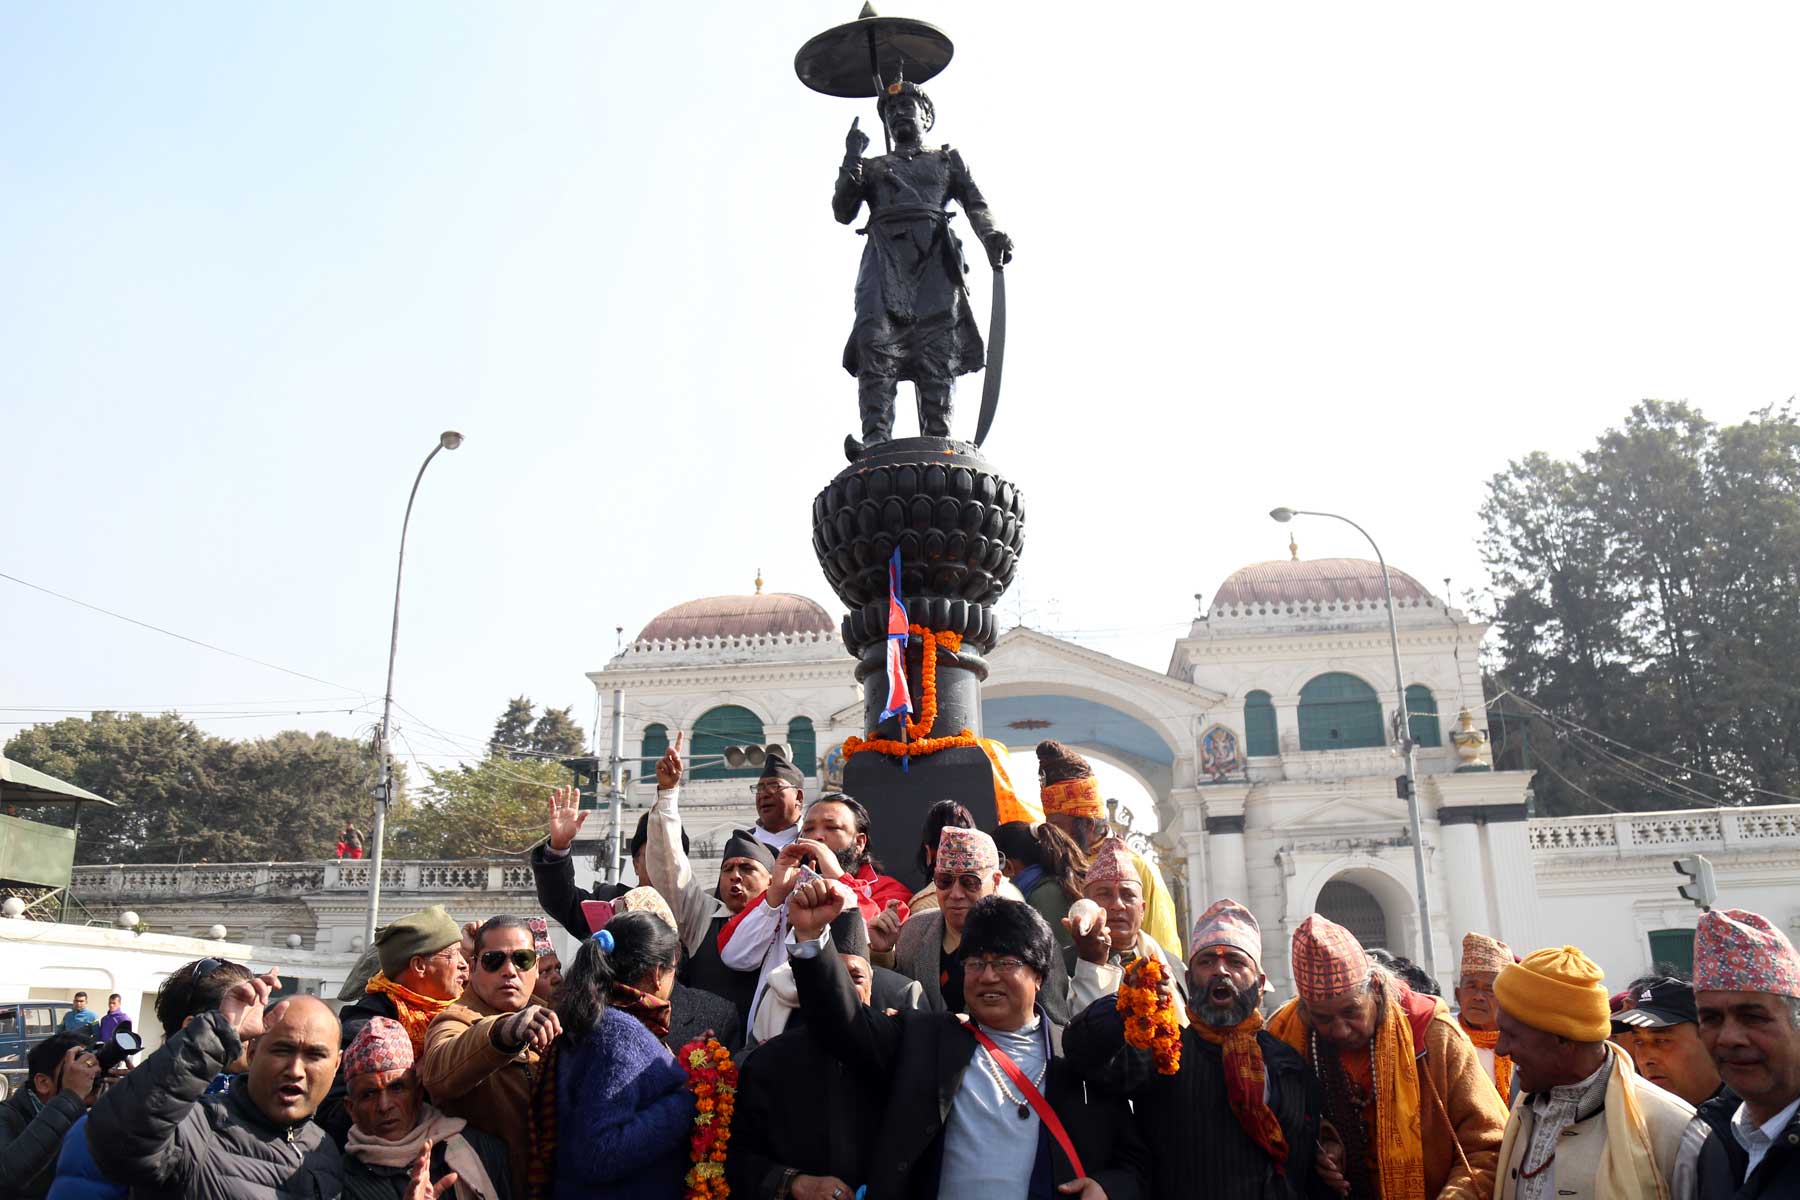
(929, 946)
(484, 1052)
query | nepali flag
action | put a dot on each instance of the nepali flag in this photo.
(899, 700)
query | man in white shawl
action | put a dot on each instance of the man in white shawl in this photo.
(399, 1146)
(1107, 926)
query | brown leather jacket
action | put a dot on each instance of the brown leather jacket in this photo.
(467, 1076)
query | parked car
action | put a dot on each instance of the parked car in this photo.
(23, 1024)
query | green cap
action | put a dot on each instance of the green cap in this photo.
(424, 932)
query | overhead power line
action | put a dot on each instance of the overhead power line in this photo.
(118, 616)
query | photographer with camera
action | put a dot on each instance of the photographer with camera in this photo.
(35, 1119)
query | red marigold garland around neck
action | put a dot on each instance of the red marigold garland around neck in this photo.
(918, 740)
(712, 1077)
(1150, 1022)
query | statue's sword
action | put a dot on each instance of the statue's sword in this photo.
(996, 358)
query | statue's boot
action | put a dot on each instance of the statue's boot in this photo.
(934, 409)
(875, 401)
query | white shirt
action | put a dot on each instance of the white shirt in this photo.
(779, 841)
(1756, 1139)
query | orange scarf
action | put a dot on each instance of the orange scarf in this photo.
(1245, 1077)
(1397, 1137)
(1486, 1039)
(415, 1011)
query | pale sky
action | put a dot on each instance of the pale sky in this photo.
(1351, 257)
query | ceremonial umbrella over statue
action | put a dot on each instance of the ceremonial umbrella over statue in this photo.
(857, 61)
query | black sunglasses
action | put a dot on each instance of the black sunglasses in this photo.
(524, 960)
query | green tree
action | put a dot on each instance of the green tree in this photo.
(184, 795)
(512, 732)
(1647, 593)
(495, 807)
(556, 733)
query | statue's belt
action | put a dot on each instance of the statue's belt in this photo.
(907, 212)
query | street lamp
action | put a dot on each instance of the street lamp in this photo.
(448, 440)
(1403, 731)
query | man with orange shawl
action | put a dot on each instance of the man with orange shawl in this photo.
(1483, 958)
(1412, 1114)
(1071, 800)
(1587, 1124)
(1239, 1119)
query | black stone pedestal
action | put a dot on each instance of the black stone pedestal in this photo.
(959, 527)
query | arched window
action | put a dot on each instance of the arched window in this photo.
(805, 745)
(1356, 909)
(1339, 712)
(655, 745)
(717, 728)
(1422, 716)
(1259, 726)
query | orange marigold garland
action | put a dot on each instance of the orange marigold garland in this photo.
(918, 740)
(1150, 1022)
(712, 1077)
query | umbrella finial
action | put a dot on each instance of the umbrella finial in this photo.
(867, 12)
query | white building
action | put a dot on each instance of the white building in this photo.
(1264, 745)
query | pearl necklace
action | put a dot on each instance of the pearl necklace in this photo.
(994, 1073)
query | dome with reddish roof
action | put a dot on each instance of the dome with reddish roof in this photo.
(1312, 585)
(761, 615)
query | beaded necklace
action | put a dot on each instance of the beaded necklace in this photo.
(994, 1073)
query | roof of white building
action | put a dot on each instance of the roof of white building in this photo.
(1309, 582)
(738, 616)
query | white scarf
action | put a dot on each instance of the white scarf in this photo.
(472, 1182)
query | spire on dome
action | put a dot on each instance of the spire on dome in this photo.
(759, 581)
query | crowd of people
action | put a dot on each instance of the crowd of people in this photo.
(1029, 1025)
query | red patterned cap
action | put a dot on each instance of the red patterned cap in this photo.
(965, 850)
(1328, 960)
(382, 1046)
(1113, 863)
(1738, 951)
(1227, 923)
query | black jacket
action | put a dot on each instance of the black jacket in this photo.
(706, 971)
(918, 1060)
(692, 1013)
(1777, 1176)
(158, 1132)
(368, 1181)
(832, 1133)
(31, 1136)
(557, 894)
(1197, 1145)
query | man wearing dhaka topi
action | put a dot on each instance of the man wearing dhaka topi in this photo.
(1483, 958)
(1409, 1111)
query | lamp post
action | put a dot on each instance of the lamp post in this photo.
(448, 440)
(1403, 731)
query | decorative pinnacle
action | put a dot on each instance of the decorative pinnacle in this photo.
(759, 581)
(868, 10)
(1293, 548)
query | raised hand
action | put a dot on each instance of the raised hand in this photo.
(824, 861)
(419, 1185)
(242, 1006)
(856, 141)
(1093, 941)
(567, 816)
(785, 874)
(668, 767)
(884, 931)
(812, 907)
(79, 1070)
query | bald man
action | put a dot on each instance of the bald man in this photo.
(158, 1131)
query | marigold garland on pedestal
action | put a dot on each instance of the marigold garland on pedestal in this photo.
(712, 1077)
(1150, 1022)
(918, 741)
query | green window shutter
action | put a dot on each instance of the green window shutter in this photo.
(1339, 712)
(656, 744)
(1260, 740)
(717, 728)
(804, 742)
(1422, 716)
(1673, 947)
